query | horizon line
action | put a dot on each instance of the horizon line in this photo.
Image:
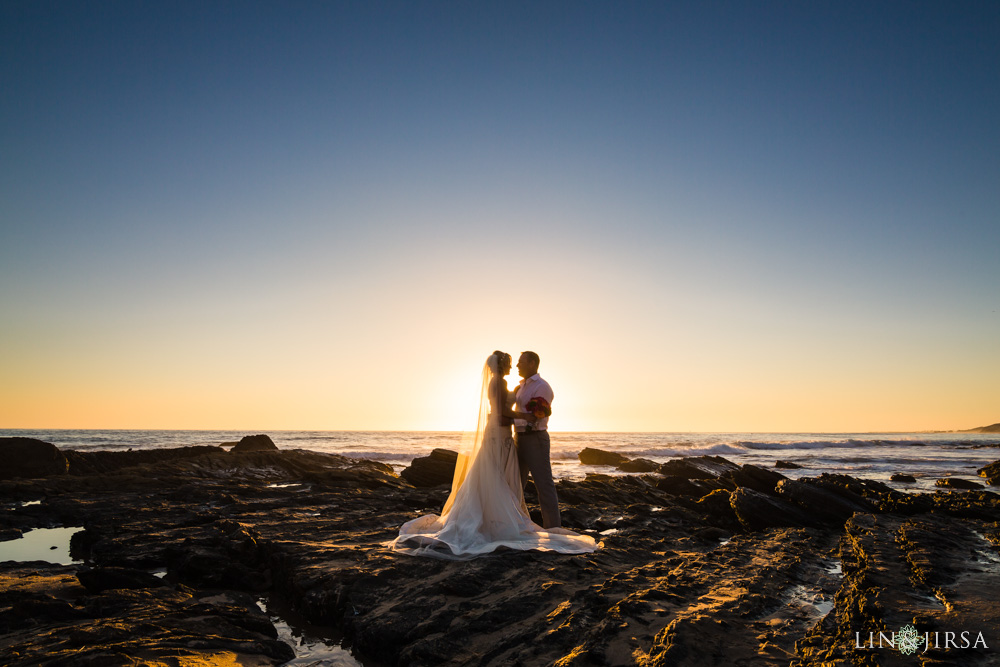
(349, 430)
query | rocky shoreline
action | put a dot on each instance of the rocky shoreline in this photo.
(704, 562)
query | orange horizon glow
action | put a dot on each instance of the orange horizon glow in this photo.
(325, 216)
(696, 401)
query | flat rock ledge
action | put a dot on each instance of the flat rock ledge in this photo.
(957, 483)
(708, 563)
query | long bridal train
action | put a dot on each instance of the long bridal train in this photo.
(486, 509)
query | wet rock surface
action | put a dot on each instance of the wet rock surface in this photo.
(694, 570)
(639, 465)
(699, 467)
(48, 618)
(957, 483)
(600, 457)
(88, 463)
(435, 469)
(991, 472)
(754, 477)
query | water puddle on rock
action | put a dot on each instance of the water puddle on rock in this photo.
(314, 646)
(289, 485)
(988, 555)
(934, 600)
(46, 544)
(812, 602)
(824, 607)
(833, 567)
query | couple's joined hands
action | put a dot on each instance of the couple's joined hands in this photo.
(526, 416)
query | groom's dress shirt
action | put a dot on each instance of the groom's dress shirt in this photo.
(528, 389)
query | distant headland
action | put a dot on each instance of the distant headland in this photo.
(992, 428)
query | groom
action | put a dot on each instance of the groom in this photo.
(533, 439)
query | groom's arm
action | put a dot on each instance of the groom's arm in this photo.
(545, 391)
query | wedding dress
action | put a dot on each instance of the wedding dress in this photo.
(486, 510)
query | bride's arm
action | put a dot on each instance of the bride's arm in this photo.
(509, 411)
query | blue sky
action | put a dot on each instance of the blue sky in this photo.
(754, 216)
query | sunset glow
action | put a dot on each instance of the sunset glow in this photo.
(326, 217)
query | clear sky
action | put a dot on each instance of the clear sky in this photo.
(704, 216)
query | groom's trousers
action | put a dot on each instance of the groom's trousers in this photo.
(533, 456)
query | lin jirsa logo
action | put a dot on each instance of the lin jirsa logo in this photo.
(909, 641)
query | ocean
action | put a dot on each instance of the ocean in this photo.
(926, 456)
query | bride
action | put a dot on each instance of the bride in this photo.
(486, 509)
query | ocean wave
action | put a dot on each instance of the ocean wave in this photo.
(846, 449)
(848, 443)
(657, 452)
(723, 449)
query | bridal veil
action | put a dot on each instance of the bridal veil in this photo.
(485, 509)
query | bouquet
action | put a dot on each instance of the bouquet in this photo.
(539, 407)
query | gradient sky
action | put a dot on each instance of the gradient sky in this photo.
(705, 216)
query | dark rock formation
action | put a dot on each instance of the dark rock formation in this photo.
(433, 470)
(823, 505)
(28, 457)
(991, 472)
(866, 492)
(759, 511)
(89, 463)
(100, 579)
(712, 576)
(598, 457)
(228, 555)
(699, 467)
(49, 619)
(681, 486)
(958, 483)
(787, 464)
(900, 571)
(902, 477)
(255, 443)
(718, 508)
(980, 505)
(638, 465)
(754, 477)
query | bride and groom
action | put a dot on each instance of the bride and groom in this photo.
(486, 508)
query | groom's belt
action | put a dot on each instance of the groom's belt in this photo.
(528, 429)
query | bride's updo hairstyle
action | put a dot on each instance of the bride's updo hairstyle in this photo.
(502, 359)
